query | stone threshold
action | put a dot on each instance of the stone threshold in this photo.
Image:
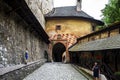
(16, 67)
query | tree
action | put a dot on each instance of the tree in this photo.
(111, 12)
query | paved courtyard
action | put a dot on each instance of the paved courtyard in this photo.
(55, 71)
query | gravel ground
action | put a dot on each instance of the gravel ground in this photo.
(55, 71)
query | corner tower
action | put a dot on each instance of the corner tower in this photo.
(64, 25)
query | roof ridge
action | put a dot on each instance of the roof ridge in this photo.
(64, 6)
(70, 11)
(61, 11)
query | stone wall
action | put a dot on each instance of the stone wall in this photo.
(21, 72)
(15, 36)
(39, 8)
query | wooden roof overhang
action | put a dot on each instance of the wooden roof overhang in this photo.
(22, 9)
(109, 28)
(100, 44)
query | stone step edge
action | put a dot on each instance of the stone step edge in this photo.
(89, 72)
(16, 67)
(85, 74)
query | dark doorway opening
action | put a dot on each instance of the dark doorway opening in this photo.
(57, 51)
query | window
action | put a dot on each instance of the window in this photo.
(58, 27)
(93, 28)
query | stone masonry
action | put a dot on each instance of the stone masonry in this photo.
(21, 71)
(15, 36)
(39, 8)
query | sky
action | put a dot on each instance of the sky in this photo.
(91, 7)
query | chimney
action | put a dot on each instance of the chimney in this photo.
(78, 7)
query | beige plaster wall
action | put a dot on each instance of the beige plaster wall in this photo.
(69, 26)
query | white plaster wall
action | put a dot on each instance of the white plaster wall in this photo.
(39, 8)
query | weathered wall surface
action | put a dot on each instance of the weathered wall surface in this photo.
(15, 37)
(22, 72)
(39, 8)
(69, 26)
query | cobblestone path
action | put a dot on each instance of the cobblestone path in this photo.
(55, 71)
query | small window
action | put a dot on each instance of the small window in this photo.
(59, 36)
(58, 27)
(93, 28)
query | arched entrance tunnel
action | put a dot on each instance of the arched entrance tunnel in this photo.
(57, 51)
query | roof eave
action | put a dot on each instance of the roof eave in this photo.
(98, 22)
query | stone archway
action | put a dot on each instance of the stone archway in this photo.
(57, 52)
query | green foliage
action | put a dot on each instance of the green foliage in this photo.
(111, 12)
(117, 73)
(100, 27)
